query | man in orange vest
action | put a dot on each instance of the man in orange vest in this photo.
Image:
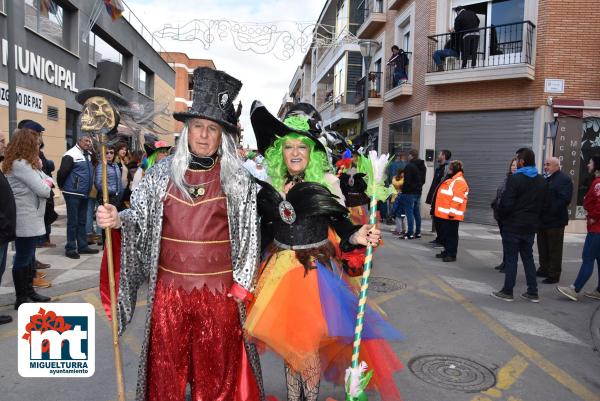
(450, 207)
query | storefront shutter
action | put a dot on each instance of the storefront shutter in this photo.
(485, 142)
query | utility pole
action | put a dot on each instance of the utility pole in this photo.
(11, 65)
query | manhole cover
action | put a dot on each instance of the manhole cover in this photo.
(384, 284)
(595, 328)
(452, 373)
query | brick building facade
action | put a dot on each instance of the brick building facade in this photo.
(184, 68)
(483, 114)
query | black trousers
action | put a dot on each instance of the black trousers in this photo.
(437, 225)
(469, 52)
(449, 231)
(550, 249)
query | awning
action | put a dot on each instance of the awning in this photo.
(576, 108)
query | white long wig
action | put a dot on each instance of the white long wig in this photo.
(228, 157)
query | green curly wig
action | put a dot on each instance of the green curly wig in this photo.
(277, 170)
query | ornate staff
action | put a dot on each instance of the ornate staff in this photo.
(356, 377)
(100, 118)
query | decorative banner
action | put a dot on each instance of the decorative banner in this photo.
(567, 148)
(26, 100)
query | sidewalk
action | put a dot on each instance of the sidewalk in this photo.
(67, 275)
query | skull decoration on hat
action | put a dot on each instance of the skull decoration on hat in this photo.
(99, 116)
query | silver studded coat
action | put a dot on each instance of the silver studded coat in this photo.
(140, 250)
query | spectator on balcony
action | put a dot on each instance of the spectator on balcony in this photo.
(451, 49)
(399, 65)
(466, 25)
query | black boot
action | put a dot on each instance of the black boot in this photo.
(20, 280)
(34, 296)
(5, 319)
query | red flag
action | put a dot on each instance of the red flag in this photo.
(104, 287)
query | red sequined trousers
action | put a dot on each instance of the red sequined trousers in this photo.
(196, 334)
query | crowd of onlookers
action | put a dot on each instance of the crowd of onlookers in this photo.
(27, 198)
(527, 205)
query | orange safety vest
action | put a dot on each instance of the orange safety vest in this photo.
(451, 199)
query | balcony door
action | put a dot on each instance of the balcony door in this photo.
(501, 42)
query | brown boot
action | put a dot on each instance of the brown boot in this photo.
(41, 283)
(40, 274)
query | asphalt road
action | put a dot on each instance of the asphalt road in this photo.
(461, 344)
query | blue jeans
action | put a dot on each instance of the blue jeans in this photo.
(591, 253)
(514, 245)
(440, 55)
(3, 253)
(77, 208)
(25, 252)
(412, 207)
(399, 75)
(89, 218)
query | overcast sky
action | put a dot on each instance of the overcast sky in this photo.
(264, 77)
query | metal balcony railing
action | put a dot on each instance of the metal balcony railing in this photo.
(374, 87)
(397, 72)
(491, 46)
(370, 6)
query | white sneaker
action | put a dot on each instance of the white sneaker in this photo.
(567, 292)
(594, 294)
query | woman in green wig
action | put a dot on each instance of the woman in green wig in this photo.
(303, 309)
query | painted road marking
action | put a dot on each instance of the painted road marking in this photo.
(534, 326)
(389, 296)
(529, 353)
(469, 285)
(507, 376)
(488, 257)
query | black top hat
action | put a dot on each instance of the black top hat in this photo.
(214, 92)
(267, 128)
(106, 84)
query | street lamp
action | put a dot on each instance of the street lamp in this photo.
(368, 48)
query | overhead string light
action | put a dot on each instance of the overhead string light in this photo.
(280, 38)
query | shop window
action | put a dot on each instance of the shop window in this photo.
(49, 19)
(400, 137)
(590, 146)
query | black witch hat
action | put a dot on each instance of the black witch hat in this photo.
(308, 111)
(267, 128)
(213, 95)
(106, 84)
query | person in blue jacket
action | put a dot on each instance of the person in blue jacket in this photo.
(113, 175)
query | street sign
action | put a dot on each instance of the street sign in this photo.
(554, 86)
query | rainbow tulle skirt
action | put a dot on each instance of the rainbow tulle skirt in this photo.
(300, 315)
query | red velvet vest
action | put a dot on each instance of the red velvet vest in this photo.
(195, 245)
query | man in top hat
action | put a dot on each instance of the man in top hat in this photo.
(192, 231)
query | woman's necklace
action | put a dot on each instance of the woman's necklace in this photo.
(295, 179)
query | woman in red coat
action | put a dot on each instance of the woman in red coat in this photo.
(591, 248)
